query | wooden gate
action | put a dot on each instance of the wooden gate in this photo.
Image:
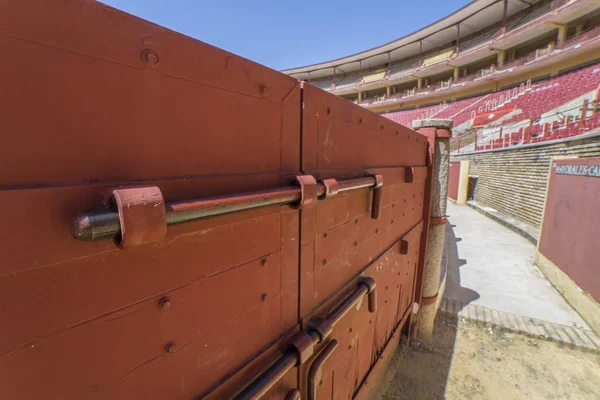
(287, 208)
(453, 179)
(342, 242)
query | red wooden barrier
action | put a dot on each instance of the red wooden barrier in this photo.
(569, 236)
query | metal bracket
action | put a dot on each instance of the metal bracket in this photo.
(301, 345)
(409, 174)
(403, 244)
(372, 293)
(304, 345)
(377, 197)
(293, 394)
(322, 326)
(332, 187)
(142, 215)
(429, 300)
(308, 191)
(437, 220)
(430, 154)
(314, 373)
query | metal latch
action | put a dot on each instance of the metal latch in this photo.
(111, 223)
(301, 346)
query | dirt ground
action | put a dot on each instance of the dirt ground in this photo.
(469, 361)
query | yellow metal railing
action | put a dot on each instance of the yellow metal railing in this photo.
(373, 77)
(444, 56)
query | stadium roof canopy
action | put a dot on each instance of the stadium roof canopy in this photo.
(471, 18)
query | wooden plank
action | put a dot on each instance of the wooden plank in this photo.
(180, 114)
(225, 318)
(67, 294)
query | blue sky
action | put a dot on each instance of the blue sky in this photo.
(283, 34)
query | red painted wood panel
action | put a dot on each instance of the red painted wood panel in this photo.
(100, 99)
(569, 236)
(342, 242)
(453, 178)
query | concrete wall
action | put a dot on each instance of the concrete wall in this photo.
(514, 180)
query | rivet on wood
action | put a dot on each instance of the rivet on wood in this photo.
(150, 57)
(164, 303)
(170, 347)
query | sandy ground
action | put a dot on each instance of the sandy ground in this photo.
(469, 361)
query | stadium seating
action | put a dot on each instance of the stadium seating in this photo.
(522, 109)
(460, 111)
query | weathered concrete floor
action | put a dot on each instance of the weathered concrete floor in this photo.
(491, 266)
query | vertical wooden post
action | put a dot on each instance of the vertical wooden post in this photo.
(334, 76)
(389, 62)
(504, 16)
(457, 37)
(584, 109)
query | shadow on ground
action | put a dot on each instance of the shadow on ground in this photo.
(454, 289)
(474, 360)
(434, 356)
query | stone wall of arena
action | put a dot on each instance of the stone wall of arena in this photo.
(514, 181)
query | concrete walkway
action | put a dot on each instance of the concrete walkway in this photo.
(491, 266)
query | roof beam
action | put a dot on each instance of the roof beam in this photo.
(416, 40)
(527, 4)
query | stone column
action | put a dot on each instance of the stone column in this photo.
(419, 83)
(456, 73)
(438, 132)
(359, 97)
(501, 56)
(562, 34)
(388, 90)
